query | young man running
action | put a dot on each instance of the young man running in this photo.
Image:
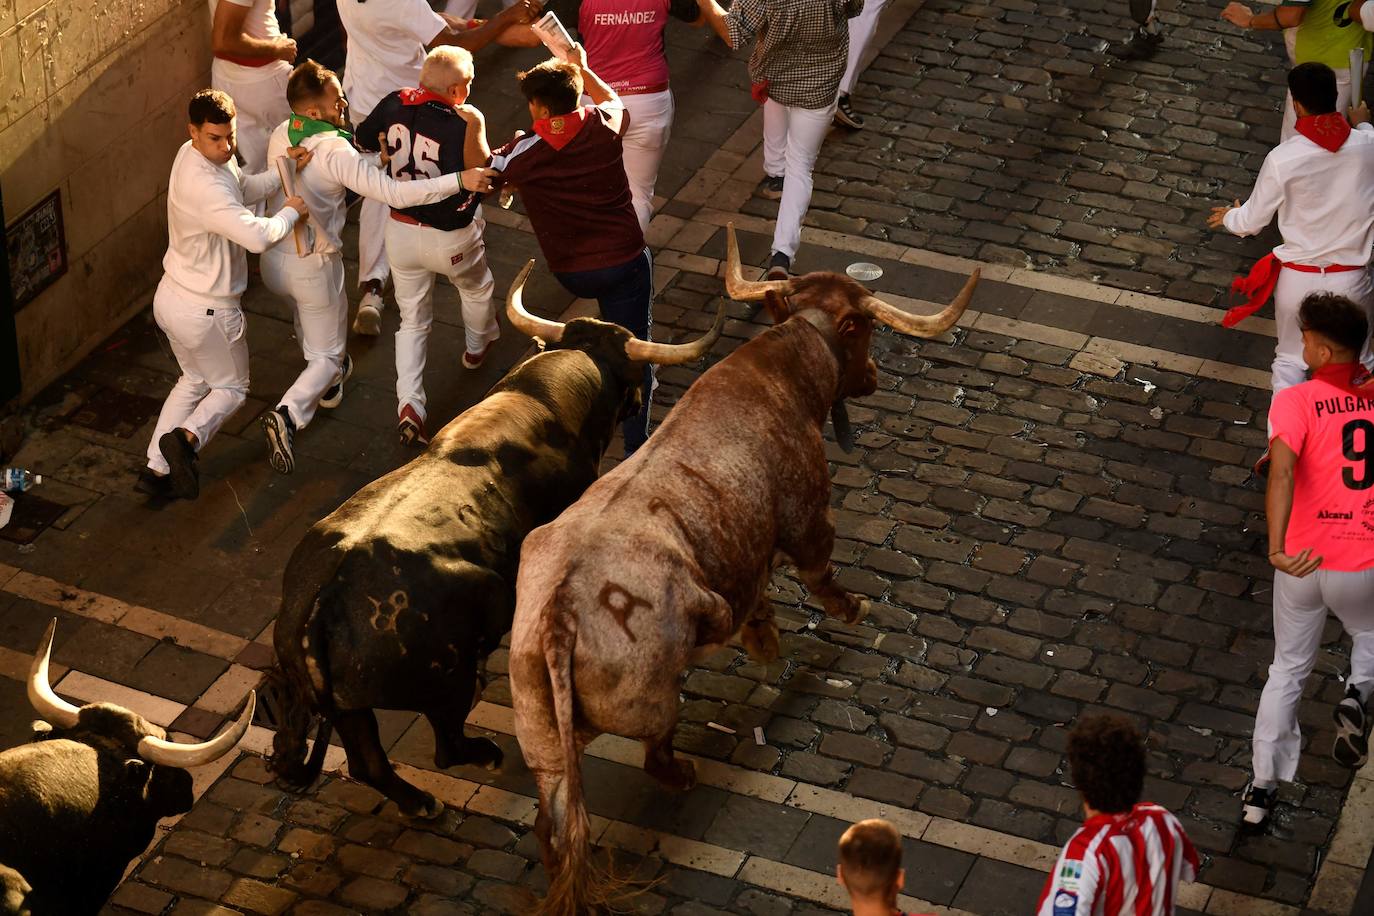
(429, 130)
(1320, 510)
(314, 284)
(204, 275)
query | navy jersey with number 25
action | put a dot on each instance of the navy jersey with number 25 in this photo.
(424, 137)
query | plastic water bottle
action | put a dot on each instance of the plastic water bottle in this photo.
(17, 480)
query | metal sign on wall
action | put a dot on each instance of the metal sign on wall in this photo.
(37, 249)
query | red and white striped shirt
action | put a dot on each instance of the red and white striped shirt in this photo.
(1126, 864)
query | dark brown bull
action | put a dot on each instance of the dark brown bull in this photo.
(81, 801)
(668, 555)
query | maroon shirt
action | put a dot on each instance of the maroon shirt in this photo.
(572, 180)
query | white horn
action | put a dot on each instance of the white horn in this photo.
(740, 289)
(49, 705)
(647, 351)
(921, 325)
(182, 756)
(532, 325)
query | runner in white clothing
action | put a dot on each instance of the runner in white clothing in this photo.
(1320, 184)
(387, 40)
(252, 61)
(315, 283)
(205, 272)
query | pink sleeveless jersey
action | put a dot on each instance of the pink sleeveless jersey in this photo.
(1330, 425)
(624, 42)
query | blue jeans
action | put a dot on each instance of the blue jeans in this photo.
(625, 294)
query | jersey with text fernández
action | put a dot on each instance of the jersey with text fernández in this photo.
(1329, 424)
(424, 137)
(1327, 34)
(624, 38)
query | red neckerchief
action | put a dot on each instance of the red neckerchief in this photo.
(1345, 376)
(422, 95)
(559, 130)
(1256, 287)
(1329, 131)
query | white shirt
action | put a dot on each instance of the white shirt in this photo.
(209, 226)
(261, 23)
(386, 47)
(335, 166)
(1324, 201)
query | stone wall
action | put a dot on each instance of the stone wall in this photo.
(92, 102)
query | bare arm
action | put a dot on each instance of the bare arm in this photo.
(495, 29)
(592, 84)
(476, 150)
(226, 36)
(1278, 508)
(1281, 17)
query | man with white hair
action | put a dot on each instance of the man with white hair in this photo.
(387, 40)
(252, 61)
(428, 131)
(314, 283)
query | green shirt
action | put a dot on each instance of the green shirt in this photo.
(1327, 34)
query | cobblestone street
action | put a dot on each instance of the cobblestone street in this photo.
(1051, 507)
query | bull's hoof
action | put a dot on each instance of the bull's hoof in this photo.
(428, 809)
(679, 776)
(865, 607)
(760, 639)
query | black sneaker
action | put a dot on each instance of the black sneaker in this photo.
(778, 266)
(771, 187)
(153, 484)
(181, 458)
(1351, 748)
(1142, 45)
(333, 395)
(281, 433)
(846, 115)
(1256, 805)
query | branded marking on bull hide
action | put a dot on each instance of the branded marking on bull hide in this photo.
(468, 456)
(386, 621)
(616, 599)
(658, 504)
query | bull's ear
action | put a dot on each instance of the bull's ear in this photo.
(849, 326)
(41, 730)
(776, 304)
(136, 770)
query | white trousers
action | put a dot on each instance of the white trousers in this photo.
(418, 253)
(1289, 368)
(791, 141)
(373, 216)
(212, 351)
(861, 29)
(259, 94)
(315, 287)
(1300, 607)
(651, 120)
(1290, 117)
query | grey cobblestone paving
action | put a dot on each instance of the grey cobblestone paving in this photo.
(1002, 131)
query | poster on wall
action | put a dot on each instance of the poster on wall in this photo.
(9, 341)
(37, 249)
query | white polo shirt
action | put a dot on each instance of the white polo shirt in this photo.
(387, 40)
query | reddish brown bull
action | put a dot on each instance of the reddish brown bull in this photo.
(668, 555)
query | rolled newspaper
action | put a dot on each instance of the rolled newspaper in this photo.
(1356, 76)
(556, 38)
(287, 169)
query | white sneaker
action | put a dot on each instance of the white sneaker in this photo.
(369, 319)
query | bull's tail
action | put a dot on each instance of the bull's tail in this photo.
(579, 886)
(299, 705)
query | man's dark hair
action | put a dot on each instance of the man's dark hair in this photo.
(1336, 318)
(1107, 759)
(210, 105)
(555, 84)
(1314, 85)
(307, 83)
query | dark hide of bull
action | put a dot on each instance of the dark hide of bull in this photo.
(391, 601)
(669, 555)
(76, 806)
